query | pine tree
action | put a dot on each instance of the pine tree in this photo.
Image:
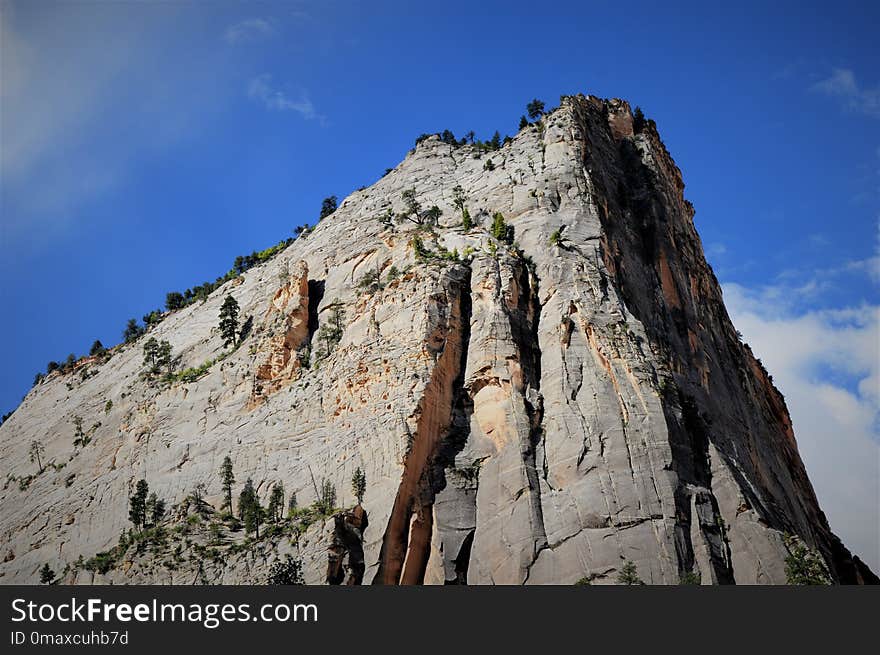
(359, 484)
(501, 230)
(132, 331)
(245, 498)
(151, 352)
(276, 503)
(327, 500)
(804, 566)
(47, 575)
(174, 300)
(97, 349)
(137, 512)
(227, 479)
(328, 206)
(629, 574)
(638, 120)
(36, 452)
(523, 122)
(229, 321)
(252, 513)
(535, 109)
(154, 508)
(291, 505)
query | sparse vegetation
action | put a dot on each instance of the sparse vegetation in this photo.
(804, 566)
(629, 574)
(326, 502)
(330, 333)
(35, 452)
(690, 578)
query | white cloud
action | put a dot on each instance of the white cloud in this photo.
(261, 89)
(842, 84)
(248, 31)
(827, 364)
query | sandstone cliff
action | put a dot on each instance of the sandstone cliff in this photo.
(539, 409)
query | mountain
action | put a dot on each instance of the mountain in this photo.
(554, 394)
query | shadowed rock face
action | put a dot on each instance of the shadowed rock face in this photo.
(525, 415)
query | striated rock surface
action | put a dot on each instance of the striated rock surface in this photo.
(540, 410)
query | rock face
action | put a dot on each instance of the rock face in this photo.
(540, 409)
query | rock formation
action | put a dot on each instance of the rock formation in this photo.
(536, 404)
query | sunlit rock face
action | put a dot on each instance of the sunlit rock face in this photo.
(539, 406)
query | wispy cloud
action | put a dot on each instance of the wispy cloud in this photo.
(262, 90)
(842, 84)
(248, 31)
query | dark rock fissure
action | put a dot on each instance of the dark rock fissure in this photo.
(406, 543)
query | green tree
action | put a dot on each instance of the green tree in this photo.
(154, 508)
(466, 222)
(174, 300)
(489, 165)
(328, 206)
(97, 349)
(432, 216)
(229, 321)
(500, 229)
(245, 498)
(690, 578)
(35, 452)
(629, 574)
(286, 572)
(252, 512)
(330, 333)
(276, 503)
(458, 198)
(157, 355)
(413, 207)
(359, 484)
(495, 141)
(638, 120)
(227, 479)
(327, 499)
(132, 331)
(291, 504)
(47, 575)
(523, 122)
(535, 109)
(556, 238)
(803, 566)
(153, 318)
(137, 512)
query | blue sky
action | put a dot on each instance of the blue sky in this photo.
(145, 145)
